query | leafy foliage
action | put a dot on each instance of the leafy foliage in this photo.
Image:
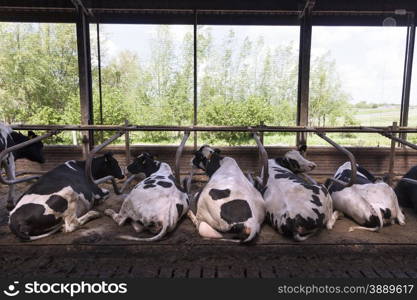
(239, 83)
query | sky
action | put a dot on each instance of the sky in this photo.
(369, 60)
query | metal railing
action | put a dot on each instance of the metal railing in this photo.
(255, 130)
(6, 151)
(350, 156)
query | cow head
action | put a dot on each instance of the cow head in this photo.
(33, 152)
(207, 159)
(295, 162)
(106, 165)
(144, 163)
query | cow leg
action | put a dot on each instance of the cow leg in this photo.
(11, 175)
(137, 226)
(91, 215)
(118, 218)
(332, 220)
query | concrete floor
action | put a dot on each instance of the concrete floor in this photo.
(337, 253)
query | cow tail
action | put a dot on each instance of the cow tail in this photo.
(151, 239)
(24, 237)
(300, 238)
(373, 212)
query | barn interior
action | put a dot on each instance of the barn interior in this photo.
(95, 251)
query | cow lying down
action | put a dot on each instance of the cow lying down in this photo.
(229, 207)
(294, 206)
(369, 201)
(407, 192)
(155, 204)
(61, 199)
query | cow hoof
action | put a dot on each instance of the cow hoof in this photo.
(94, 214)
(109, 212)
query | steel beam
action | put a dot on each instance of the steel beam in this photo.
(304, 70)
(408, 66)
(84, 70)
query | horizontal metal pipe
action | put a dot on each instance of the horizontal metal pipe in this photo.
(409, 180)
(394, 138)
(358, 129)
(348, 154)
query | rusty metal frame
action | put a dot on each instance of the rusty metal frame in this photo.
(20, 146)
(402, 141)
(261, 128)
(264, 157)
(89, 160)
(348, 154)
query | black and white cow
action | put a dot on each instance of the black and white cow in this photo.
(34, 152)
(407, 192)
(155, 204)
(369, 201)
(61, 198)
(229, 206)
(295, 207)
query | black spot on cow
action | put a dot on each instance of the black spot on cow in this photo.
(407, 192)
(345, 177)
(180, 207)
(179, 187)
(160, 177)
(148, 186)
(235, 211)
(237, 231)
(164, 184)
(29, 220)
(372, 222)
(294, 164)
(149, 181)
(217, 194)
(386, 214)
(302, 225)
(57, 203)
(316, 200)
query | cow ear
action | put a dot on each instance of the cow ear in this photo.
(302, 148)
(31, 134)
(217, 150)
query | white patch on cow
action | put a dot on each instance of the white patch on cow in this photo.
(229, 176)
(286, 198)
(361, 201)
(156, 205)
(68, 164)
